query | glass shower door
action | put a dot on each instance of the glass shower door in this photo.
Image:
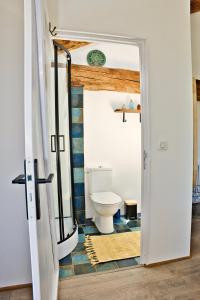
(53, 155)
(64, 146)
(61, 145)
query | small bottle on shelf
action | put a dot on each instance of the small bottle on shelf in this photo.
(123, 106)
(131, 104)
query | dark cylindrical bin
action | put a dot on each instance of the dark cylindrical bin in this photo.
(131, 209)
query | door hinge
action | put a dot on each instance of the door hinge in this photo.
(145, 157)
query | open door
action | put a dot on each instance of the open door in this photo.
(38, 181)
(36, 177)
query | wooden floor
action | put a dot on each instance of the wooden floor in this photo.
(173, 281)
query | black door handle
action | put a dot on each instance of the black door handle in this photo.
(49, 179)
(20, 179)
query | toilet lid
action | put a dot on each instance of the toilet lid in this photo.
(106, 198)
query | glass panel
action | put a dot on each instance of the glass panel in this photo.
(65, 151)
(52, 146)
(60, 160)
(58, 120)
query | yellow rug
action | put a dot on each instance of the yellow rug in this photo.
(104, 248)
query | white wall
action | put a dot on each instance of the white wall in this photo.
(166, 27)
(52, 8)
(195, 25)
(110, 142)
(14, 245)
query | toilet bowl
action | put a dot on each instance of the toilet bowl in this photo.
(105, 205)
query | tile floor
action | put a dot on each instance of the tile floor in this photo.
(196, 194)
(77, 262)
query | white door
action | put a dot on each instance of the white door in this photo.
(39, 202)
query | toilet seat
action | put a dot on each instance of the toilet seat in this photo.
(105, 198)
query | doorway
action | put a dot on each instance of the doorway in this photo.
(83, 209)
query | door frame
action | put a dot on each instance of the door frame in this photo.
(195, 132)
(145, 124)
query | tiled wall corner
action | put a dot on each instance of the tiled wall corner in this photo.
(78, 153)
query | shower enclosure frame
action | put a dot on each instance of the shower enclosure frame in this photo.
(57, 149)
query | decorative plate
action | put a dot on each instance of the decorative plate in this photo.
(96, 58)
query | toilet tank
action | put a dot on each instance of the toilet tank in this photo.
(100, 179)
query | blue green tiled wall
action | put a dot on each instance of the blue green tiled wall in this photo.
(78, 153)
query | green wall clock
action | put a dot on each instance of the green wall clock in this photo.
(96, 58)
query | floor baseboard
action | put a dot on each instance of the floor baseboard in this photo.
(15, 287)
(166, 262)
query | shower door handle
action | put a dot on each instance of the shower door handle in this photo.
(53, 143)
(62, 142)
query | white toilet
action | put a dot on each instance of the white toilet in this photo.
(105, 202)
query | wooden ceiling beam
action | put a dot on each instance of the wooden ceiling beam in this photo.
(195, 6)
(72, 45)
(106, 79)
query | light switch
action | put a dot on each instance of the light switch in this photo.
(163, 146)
